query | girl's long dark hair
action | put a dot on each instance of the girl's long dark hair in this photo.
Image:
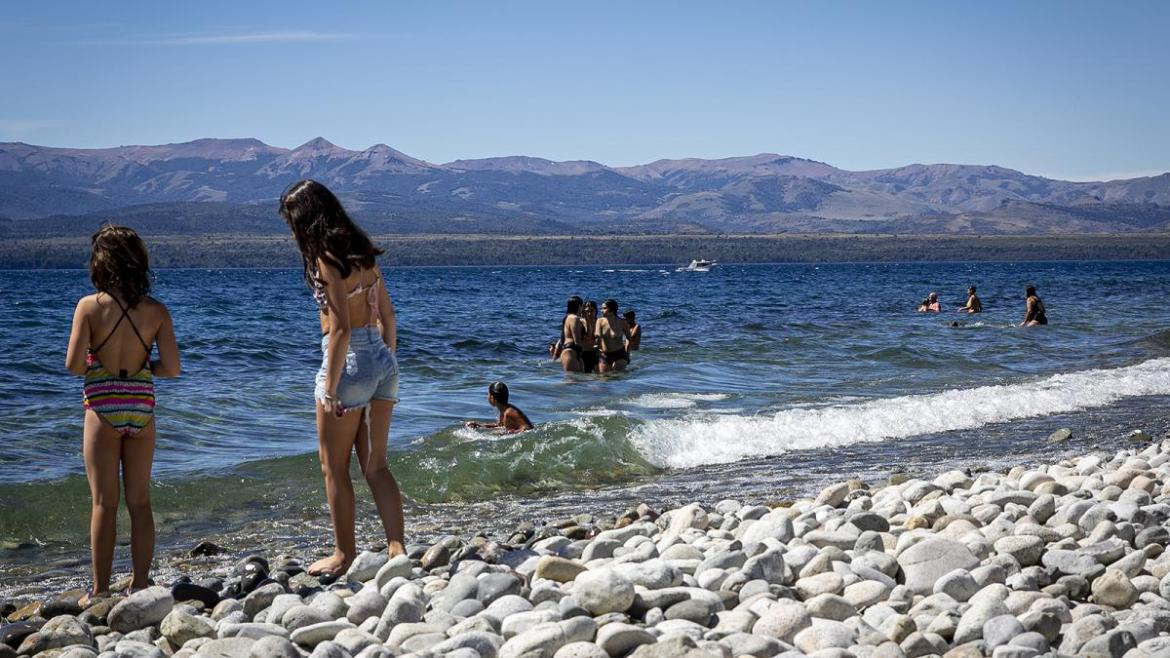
(324, 231)
(118, 263)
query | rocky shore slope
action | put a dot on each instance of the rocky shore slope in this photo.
(1064, 559)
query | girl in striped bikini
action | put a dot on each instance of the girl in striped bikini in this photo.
(110, 345)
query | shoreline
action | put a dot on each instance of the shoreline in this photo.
(1061, 557)
(442, 250)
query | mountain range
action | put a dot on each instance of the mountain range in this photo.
(231, 186)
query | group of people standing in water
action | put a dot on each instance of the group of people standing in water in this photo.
(589, 343)
(1034, 311)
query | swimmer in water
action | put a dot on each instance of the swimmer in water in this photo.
(1034, 312)
(612, 332)
(973, 303)
(568, 349)
(590, 354)
(634, 340)
(932, 305)
(511, 419)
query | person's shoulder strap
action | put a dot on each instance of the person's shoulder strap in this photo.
(125, 315)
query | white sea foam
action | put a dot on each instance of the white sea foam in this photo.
(597, 412)
(675, 400)
(694, 441)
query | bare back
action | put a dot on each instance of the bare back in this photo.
(121, 348)
(363, 287)
(122, 343)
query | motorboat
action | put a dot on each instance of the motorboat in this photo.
(698, 265)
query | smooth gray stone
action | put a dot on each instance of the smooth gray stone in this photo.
(136, 649)
(462, 586)
(144, 608)
(1001, 630)
(1072, 563)
(59, 632)
(699, 611)
(494, 585)
(365, 604)
(274, 647)
(303, 615)
(601, 591)
(485, 644)
(330, 650)
(928, 560)
(261, 598)
(232, 647)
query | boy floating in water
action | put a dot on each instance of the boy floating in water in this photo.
(511, 419)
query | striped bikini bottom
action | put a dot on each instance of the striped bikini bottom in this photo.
(124, 400)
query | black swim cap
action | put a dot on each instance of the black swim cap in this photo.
(499, 391)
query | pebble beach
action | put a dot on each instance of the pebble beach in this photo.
(1063, 559)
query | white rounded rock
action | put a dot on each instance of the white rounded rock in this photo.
(601, 591)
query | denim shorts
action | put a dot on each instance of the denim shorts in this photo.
(370, 373)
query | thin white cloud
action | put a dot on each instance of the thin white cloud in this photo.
(25, 128)
(294, 36)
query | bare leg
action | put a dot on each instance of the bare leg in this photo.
(137, 459)
(101, 446)
(371, 452)
(336, 438)
(570, 362)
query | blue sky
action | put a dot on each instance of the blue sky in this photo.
(1074, 90)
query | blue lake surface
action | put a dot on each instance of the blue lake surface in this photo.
(754, 381)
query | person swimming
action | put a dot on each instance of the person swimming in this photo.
(568, 347)
(590, 356)
(511, 419)
(932, 305)
(1034, 311)
(612, 332)
(634, 339)
(973, 303)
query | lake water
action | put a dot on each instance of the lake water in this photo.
(759, 382)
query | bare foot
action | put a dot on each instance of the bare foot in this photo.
(394, 549)
(90, 597)
(334, 565)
